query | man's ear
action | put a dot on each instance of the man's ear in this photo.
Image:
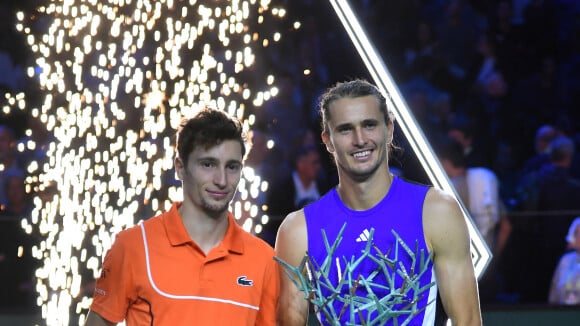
(327, 142)
(390, 132)
(179, 168)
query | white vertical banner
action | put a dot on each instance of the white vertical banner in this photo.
(480, 251)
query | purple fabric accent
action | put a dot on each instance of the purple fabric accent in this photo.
(400, 210)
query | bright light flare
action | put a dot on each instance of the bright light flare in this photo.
(116, 78)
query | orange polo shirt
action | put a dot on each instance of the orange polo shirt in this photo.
(154, 274)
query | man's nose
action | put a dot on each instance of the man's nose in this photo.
(359, 137)
(220, 178)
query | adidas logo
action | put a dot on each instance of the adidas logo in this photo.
(363, 236)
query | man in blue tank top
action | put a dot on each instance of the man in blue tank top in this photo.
(397, 243)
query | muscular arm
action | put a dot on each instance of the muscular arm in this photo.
(94, 319)
(291, 246)
(448, 237)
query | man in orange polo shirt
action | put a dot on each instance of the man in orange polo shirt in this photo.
(192, 265)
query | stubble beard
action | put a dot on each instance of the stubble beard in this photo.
(360, 175)
(215, 210)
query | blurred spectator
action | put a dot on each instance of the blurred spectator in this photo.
(422, 56)
(553, 196)
(12, 56)
(430, 106)
(476, 152)
(9, 159)
(18, 201)
(488, 82)
(565, 287)
(543, 92)
(306, 184)
(558, 190)
(457, 28)
(11, 75)
(478, 189)
(544, 136)
(507, 169)
(552, 186)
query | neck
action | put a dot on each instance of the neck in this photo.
(205, 230)
(363, 195)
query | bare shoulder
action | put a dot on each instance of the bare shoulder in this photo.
(443, 220)
(292, 240)
(441, 205)
(294, 225)
(447, 235)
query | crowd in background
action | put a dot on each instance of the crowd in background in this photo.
(496, 80)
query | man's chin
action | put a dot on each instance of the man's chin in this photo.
(215, 210)
(363, 174)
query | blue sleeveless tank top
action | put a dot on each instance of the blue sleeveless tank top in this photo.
(400, 210)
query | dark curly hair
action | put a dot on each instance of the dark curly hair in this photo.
(208, 128)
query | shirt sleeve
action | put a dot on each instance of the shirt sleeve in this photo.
(114, 289)
(270, 294)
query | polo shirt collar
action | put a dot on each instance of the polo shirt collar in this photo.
(233, 241)
(177, 234)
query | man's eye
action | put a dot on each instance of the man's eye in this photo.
(370, 125)
(234, 167)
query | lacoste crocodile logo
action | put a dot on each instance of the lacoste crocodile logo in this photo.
(243, 281)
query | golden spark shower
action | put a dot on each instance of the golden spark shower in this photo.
(115, 78)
